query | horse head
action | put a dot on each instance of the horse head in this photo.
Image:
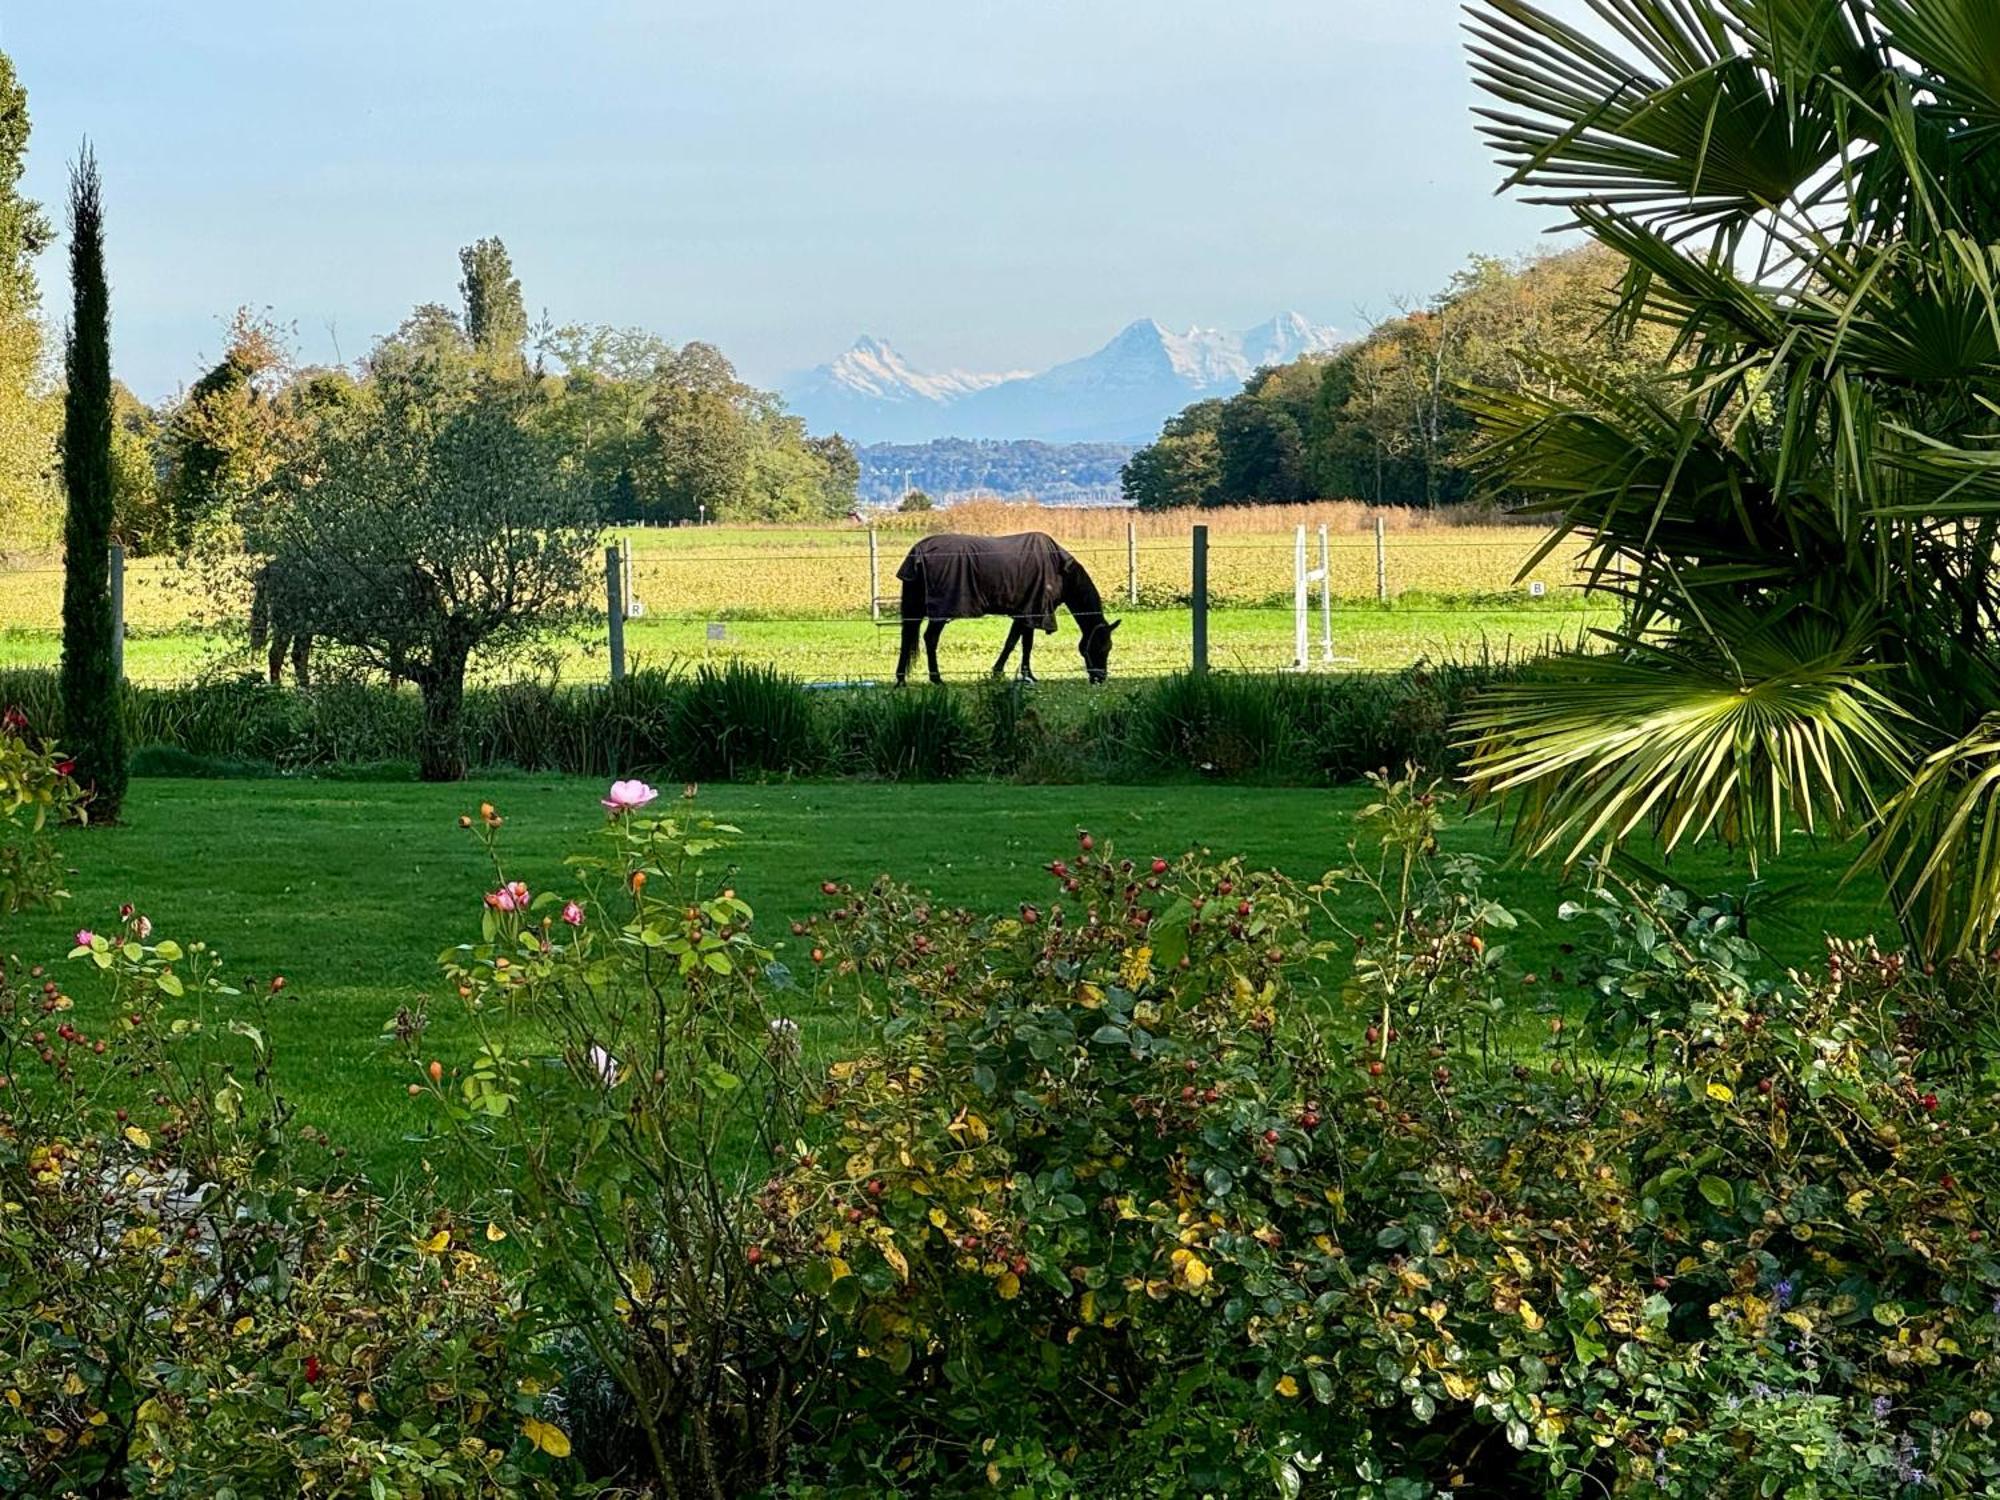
(1095, 647)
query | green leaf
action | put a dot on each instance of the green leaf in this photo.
(1717, 1191)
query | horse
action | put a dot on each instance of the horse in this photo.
(276, 620)
(1027, 576)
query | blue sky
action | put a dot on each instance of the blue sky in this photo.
(991, 185)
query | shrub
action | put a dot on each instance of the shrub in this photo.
(1216, 723)
(629, 1094)
(36, 790)
(197, 1299)
(917, 734)
(1120, 1200)
(742, 720)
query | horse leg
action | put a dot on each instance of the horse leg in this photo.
(931, 633)
(302, 645)
(276, 660)
(912, 621)
(1027, 651)
(1013, 635)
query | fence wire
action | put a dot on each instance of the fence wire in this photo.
(828, 612)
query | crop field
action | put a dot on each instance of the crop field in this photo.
(809, 599)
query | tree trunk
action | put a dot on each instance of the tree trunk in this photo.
(442, 755)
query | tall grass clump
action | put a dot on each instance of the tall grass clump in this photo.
(741, 720)
(919, 734)
(1215, 723)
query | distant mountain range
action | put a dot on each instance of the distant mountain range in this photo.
(1120, 394)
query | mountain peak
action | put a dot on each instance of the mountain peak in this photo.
(1120, 393)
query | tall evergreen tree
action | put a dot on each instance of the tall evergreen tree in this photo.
(93, 713)
(496, 318)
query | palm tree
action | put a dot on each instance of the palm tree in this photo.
(1801, 521)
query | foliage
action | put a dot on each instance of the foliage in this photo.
(915, 502)
(496, 318)
(198, 1300)
(427, 523)
(1118, 1202)
(93, 724)
(1384, 419)
(1801, 196)
(29, 416)
(629, 1093)
(218, 447)
(739, 721)
(36, 795)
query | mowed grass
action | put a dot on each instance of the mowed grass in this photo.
(351, 890)
(1151, 642)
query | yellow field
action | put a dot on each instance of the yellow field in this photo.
(723, 572)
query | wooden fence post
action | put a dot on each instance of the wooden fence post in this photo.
(117, 564)
(874, 579)
(614, 607)
(1132, 563)
(1200, 598)
(1381, 562)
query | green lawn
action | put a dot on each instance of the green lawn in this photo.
(352, 889)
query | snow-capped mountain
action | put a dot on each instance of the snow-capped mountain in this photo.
(1119, 394)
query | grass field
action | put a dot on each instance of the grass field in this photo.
(352, 889)
(799, 597)
(1365, 636)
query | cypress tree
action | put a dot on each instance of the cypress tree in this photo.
(93, 716)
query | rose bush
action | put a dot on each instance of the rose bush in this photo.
(630, 1093)
(195, 1297)
(1127, 1196)
(36, 793)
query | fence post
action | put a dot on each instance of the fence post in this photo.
(1132, 563)
(1200, 598)
(614, 606)
(874, 579)
(117, 567)
(1381, 562)
(1299, 600)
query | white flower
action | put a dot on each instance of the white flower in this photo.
(604, 1065)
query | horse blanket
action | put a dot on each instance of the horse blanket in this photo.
(963, 576)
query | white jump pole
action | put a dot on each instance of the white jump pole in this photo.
(1325, 599)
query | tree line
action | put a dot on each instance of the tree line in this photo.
(651, 432)
(1385, 419)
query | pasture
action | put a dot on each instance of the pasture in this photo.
(351, 889)
(800, 597)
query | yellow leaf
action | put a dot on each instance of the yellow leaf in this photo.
(1087, 1309)
(1529, 1316)
(150, 1410)
(1457, 1386)
(495, 1233)
(1288, 1387)
(436, 1243)
(1721, 1091)
(838, 1268)
(897, 1262)
(243, 1326)
(546, 1436)
(1010, 1286)
(138, 1138)
(834, 1239)
(72, 1384)
(1190, 1270)
(937, 1218)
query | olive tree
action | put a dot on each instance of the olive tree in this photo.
(426, 523)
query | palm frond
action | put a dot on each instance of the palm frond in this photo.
(1939, 845)
(1689, 137)
(1783, 726)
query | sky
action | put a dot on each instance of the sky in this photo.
(989, 184)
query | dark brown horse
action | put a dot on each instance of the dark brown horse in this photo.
(1027, 577)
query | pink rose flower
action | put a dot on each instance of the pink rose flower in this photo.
(628, 796)
(513, 896)
(85, 937)
(572, 914)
